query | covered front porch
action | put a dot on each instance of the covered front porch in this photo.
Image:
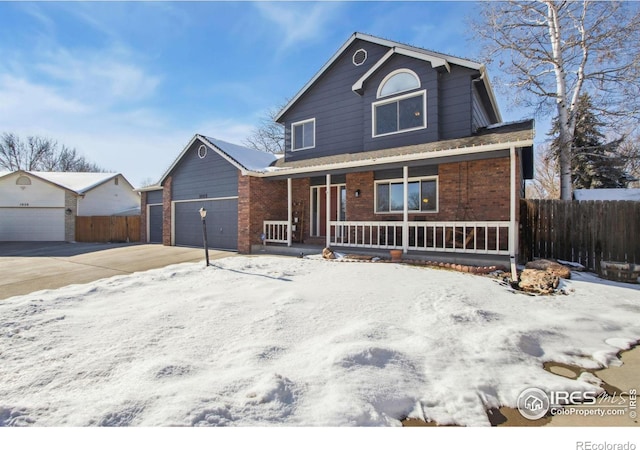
(423, 214)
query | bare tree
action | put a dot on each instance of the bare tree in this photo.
(547, 182)
(552, 51)
(268, 136)
(629, 151)
(38, 153)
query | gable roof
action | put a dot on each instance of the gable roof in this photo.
(78, 182)
(436, 59)
(243, 158)
(495, 138)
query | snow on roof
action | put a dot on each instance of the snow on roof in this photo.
(250, 159)
(79, 182)
(607, 194)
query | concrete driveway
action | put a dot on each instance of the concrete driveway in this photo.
(32, 266)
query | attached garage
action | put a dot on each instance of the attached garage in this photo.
(205, 175)
(221, 220)
(32, 224)
(155, 224)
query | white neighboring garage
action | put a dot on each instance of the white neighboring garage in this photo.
(42, 206)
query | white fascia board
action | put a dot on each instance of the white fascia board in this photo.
(177, 160)
(155, 187)
(451, 59)
(316, 76)
(206, 142)
(435, 62)
(223, 154)
(398, 159)
(358, 84)
(492, 98)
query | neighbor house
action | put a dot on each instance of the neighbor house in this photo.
(42, 206)
(388, 146)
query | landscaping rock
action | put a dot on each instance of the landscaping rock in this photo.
(550, 266)
(327, 253)
(538, 281)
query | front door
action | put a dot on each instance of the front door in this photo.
(319, 207)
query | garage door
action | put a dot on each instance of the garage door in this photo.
(222, 223)
(155, 223)
(31, 224)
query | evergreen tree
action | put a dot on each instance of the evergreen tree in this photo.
(594, 163)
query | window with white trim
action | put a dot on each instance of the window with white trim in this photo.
(400, 114)
(401, 80)
(303, 134)
(422, 195)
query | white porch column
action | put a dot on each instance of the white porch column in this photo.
(328, 210)
(289, 212)
(513, 224)
(405, 210)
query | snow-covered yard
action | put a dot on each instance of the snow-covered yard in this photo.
(287, 341)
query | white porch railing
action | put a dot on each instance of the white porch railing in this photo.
(276, 231)
(461, 237)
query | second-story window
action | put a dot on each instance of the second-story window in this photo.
(303, 134)
(399, 113)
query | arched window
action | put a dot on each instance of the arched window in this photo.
(401, 80)
(23, 181)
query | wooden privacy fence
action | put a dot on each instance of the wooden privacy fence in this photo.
(108, 229)
(584, 232)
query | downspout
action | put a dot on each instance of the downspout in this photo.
(328, 210)
(289, 212)
(513, 225)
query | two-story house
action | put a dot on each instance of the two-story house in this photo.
(388, 146)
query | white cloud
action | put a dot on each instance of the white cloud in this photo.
(103, 76)
(22, 100)
(299, 22)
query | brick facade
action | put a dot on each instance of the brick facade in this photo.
(258, 200)
(472, 191)
(166, 211)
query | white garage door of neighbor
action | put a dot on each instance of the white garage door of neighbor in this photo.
(31, 224)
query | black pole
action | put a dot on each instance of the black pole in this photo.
(204, 238)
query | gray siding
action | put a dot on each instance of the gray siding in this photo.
(344, 118)
(480, 118)
(336, 108)
(209, 177)
(222, 224)
(428, 81)
(455, 103)
(154, 197)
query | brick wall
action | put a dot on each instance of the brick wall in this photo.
(474, 190)
(362, 207)
(166, 211)
(258, 200)
(143, 217)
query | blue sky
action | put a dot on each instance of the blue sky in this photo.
(129, 83)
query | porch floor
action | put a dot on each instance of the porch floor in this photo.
(310, 249)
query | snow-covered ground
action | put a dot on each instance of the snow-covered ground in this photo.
(287, 341)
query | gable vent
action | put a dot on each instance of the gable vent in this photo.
(359, 57)
(202, 151)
